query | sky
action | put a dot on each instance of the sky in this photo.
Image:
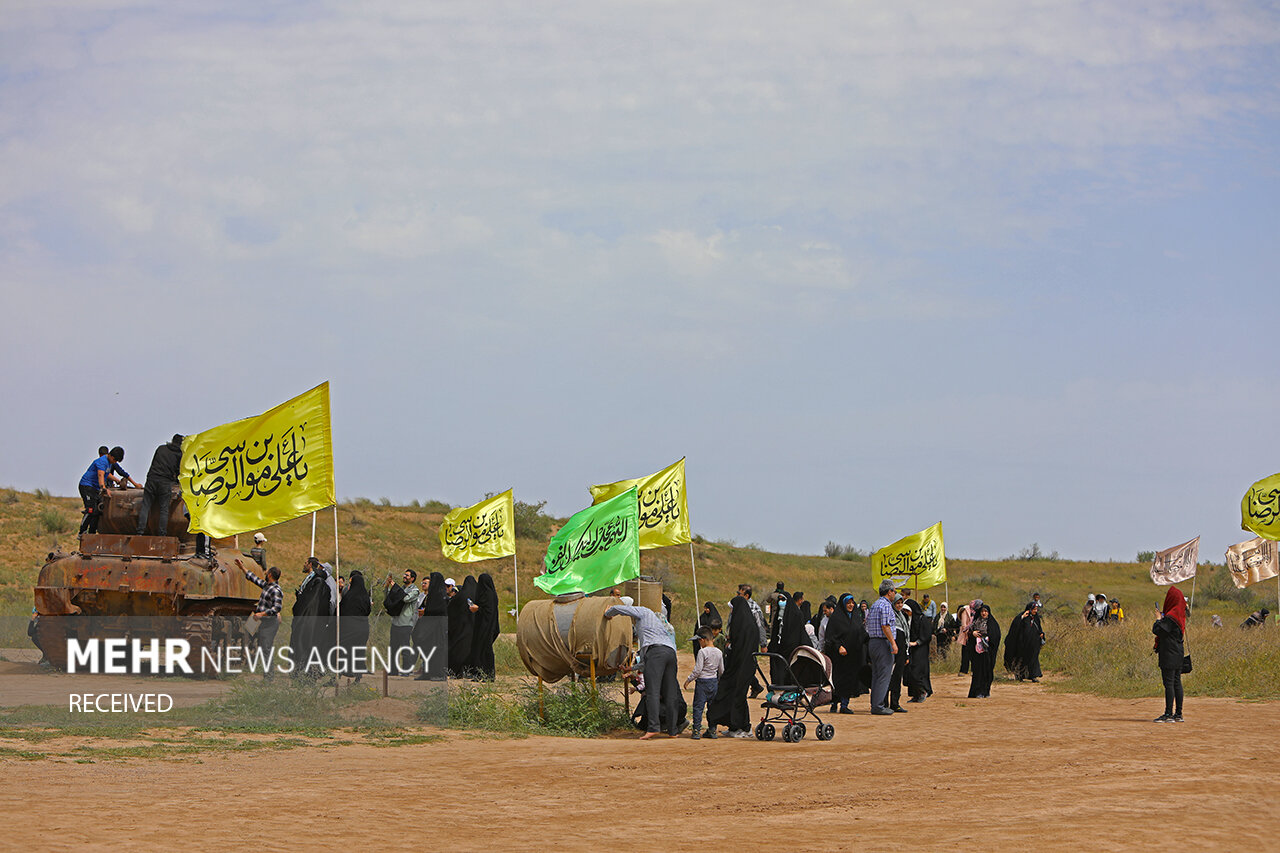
(867, 265)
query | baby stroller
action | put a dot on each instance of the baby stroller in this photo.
(807, 688)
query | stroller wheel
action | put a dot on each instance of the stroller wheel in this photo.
(759, 731)
(798, 731)
(786, 733)
(768, 731)
(830, 730)
(821, 731)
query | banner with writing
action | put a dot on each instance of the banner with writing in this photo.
(1260, 508)
(598, 547)
(663, 506)
(1176, 564)
(916, 561)
(1252, 561)
(260, 471)
(481, 532)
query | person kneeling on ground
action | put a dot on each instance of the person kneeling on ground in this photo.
(1256, 618)
(705, 677)
(658, 649)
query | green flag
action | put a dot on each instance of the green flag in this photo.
(1260, 508)
(598, 547)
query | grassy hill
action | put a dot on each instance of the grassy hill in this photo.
(383, 539)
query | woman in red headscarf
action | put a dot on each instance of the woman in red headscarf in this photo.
(1169, 631)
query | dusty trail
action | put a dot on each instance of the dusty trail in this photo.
(1026, 768)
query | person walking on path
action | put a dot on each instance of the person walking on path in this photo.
(729, 707)
(706, 678)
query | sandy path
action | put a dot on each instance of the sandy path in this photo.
(1026, 768)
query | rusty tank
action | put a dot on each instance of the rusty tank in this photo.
(121, 585)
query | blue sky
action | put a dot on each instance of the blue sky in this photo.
(868, 265)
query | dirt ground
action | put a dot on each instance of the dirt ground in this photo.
(1028, 768)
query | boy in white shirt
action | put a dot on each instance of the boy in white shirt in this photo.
(706, 678)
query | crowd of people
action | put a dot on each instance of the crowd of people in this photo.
(451, 628)
(878, 649)
(440, 630)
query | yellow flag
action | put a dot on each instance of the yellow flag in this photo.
(481, 532)
(916, 561)
(663, 504)
(260, 471)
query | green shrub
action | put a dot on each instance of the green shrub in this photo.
(836, 551)
(438, 506)
(532, 522)
(42, 494)
(53, 520)
(1145, 557)
(572, 709)
(1214, 581)
(1032, 553)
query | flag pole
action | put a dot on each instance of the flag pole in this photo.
(1193, 593)
(515, 570)
(697, 602)
(313, 535)
(337, 611)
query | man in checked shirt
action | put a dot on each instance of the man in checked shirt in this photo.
(882, 647)
(267, 610)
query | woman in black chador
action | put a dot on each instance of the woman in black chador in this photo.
(917, 678)
(729, 707)
(983, 644)
(842, 644)
(462, 610)
(431, 631)
(353, 623)
(485, 630)
(710, 616)
(788, 633)
(1022, 645)
(309, 636)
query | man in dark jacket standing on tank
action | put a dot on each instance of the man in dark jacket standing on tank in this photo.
(162, 481)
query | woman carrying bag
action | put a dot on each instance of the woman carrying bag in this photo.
(1170, 631)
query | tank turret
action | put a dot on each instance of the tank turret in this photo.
(121, 585)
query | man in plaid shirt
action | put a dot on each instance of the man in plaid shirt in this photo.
(882, 647)
(267, 610)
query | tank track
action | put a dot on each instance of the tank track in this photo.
(204, 625)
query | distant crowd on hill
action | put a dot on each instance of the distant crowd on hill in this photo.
(1099, 611)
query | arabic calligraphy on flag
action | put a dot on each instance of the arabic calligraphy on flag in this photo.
(663, 505)
(1252, 561)
(481, 532)
(1177, 564)
(598, 547)
(1260, 508)
(918, 560)
(260, 471)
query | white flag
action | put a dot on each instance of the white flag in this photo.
(1252, 561)
(1176, 564)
